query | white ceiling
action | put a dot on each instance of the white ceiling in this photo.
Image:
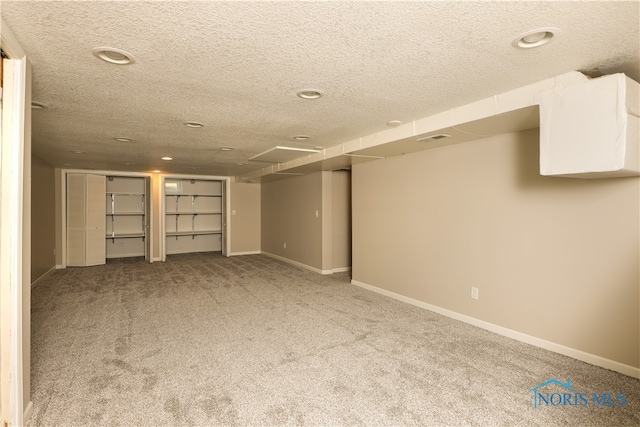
(236, 67)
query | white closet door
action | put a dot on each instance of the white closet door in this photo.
(96, 225)
(76, 225)
(86, 231)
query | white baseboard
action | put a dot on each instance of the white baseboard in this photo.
(341, 269)
(297, 264)
(35, 282)
(28, 411)
(510, 333)
(158, 259)
(60, 267)
(244, 253)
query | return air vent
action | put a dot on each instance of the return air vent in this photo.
(434, 137)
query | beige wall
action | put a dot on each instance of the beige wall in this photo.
(43, 238)
(289, 208)
(341, 224)
(553, 258)
(244, 218)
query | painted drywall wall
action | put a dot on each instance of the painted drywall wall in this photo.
(43, 202)
(244, 220)
(289, 207)
(554, 258)
(341, 223)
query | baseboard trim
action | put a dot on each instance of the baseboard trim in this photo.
(510, 333)
(341, 269)
(35, 282)
(28, 411)
(244, 253)
(296, 263)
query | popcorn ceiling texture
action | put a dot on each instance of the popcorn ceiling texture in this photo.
(236, 67)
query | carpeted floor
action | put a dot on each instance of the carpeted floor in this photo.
(203, 340)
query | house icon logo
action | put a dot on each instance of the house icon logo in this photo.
(554, 399)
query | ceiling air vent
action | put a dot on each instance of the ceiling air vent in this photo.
(434, 137)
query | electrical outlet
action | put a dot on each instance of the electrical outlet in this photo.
(474, 293)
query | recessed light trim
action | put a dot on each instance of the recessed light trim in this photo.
(113, 55)
(535, 38)
(310, 94)
(38, 105)
(123, 139)
(240, 164)
(226, 148)
(394, 123)
(301, 137)
(78, 152)
(193, 125)
(167, 158)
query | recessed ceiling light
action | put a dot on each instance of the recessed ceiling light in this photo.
(156, 171)
(194, 125)
(167, 158)
(394, 123)
(301, 137)
(310, 94)
(78, 152)
(535, 38)
(123, 139)
(240, 164)
(113, 55)
(38, 105)
(226, 148)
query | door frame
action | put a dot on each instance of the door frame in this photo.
(15, 234)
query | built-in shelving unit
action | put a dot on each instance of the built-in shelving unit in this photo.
(193, 215)
(126, 216)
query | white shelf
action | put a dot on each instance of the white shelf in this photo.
(194, 216)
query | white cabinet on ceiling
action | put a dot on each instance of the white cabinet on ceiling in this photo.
(194, 215)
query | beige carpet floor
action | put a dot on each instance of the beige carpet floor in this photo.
(203, 340)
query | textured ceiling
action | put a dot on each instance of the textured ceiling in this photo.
(236, 67)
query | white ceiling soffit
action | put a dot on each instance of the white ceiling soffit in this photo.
(511, 111)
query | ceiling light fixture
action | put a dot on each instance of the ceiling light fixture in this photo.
(310, 94)
(394, 123)
(113, 55)
(226, 148)
(123, 139)
(301, 137)
(38, 105)
(535, 38)
(167, 158)
(240, 164)
(194, 125)
(78, 152)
